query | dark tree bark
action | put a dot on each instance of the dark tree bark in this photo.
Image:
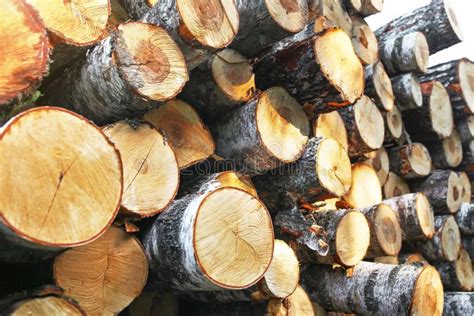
(379, 87)
(446, 153)
(407, 91)
(458, 303)
(465, 219)
(364, 41)
(410, 161)
(465, 128)
(457, 275)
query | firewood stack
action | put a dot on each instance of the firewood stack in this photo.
(233, 157)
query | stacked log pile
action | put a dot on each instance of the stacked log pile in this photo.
(234, 157)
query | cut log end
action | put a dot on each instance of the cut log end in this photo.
(24, 53)
(183, 129)
(76, 161)
(388, 230)
(364, 41)
(212, 23)
(381, 164)
(50, 305)
(365, 190)
(237, 180)
(291, 15)
(395, 186)
(466, 191)
(383, 87)
(451, 12)
(428, 293)
(425, 215)
(369, 122)
(441, 112)
(79, 23)
(352, 238)
(422, 51)
(150, 61)
(370, 7)
(234, 75)
(394, 123)
(296, 304)
(233, 255)
(339, 63)
(464, 270)
(106, 275)
(151, 173)
(282, 124)
(450, 239)
(466, 81)
(331, 125)
(419, 159)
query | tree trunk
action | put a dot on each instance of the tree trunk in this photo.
(466, 192)
(150, 171)
(179, 242)
(465, 128)
(468, 244)
(364, 41)
(405, 53)
(200, 28)
(115, 261)
(395, 134)
(407, 91)
(331, 125)
(379, 87)
(465, 219)
(263, 23)
(458, 303)
(414, 215)
(443, 190)
(219, 85)
(269, 130)
(446, 153)
(365, 127)
(410, 161)
(79, 183)
(445, 244)
(313, 73)
(377, 289)
(183, 129)
(365, 188)
(441, 28)
(394, 186)
(24, 53)
(135, 65)
(457, 275)
(380, 163)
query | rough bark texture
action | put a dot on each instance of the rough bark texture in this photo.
(465, 127)
(458, 303)
(401, 164)
(467, 164)
(446, 153)
(375, 77)
(456, 278)
(136, 8)
(437, 28)
(465, 219)
(468, 244)
(407, 91)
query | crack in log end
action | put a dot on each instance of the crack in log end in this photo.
(141, 167)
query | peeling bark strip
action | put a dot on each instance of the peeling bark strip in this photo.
(467, 164)
(465, 219)
(446, 153)
(365, 127)
(272, 129)
(395, 186)
(379, 87)
(436, 20)
(445, 244)
(457, 275)
(468, 244)
(410, 161)
(81, 163)
(458, 303)
(364, 41)
(405, 53)
(322, 71)
(220, 85)
(135, 65)
(443, 190)
(183, 249)
(334, 13)
(24, 53)
(377, 289)
(264, 22)
(457, 77)
(199, 27)
(414, 215)
(407, 91)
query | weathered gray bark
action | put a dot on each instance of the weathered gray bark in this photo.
(395, 186)
(458, 303)
(136, 8)
(457, 275)
(467, 164)
(465, 127)
(379, 87)
(446, 153)
(407, 90)
(465, 219)
(432, 20)
(402, 165)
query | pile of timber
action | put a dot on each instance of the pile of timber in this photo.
(234, 157)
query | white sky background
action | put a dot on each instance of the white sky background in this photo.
(464, 10)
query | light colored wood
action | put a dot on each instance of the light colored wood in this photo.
(364, 41)
(466, 192)
(395, 186)
(428, 293)
(407, 90)
(237, 180)
(386, 260)
(183, 129)
(457, 275)
(352, 238)
(365, 190)
(335, 13)
(466, 82)
(381, 164)
(331, 125)
(297, 304)
(49, 305)
(448, 152)
(411, 258)
(71, 186)
(150, 169)
(104, 276)
(290, 15)
(410, 161)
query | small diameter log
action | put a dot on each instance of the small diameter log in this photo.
(351, 5)
(199, 27)
(457, 275)
(365, 187)
(381, 165)
(379, 87)
(46, 305)
(78, 185)
(385, 231)
(369, 7)
(279, 282)
(407, 91)
(364, 41)
(410, 161)
(414, 215)
(446, 153)
(215, 224)
(150, 169)
(411, 258)
(445, 244)
(137, 8)
(443, 190)
(457, 77)
(395, 133)
(458, 303)
(467, 242)
(264, 22)
(323, 171)
(331, 125)
(104, 276)
(465, 219)
(411, 289)
(271, 129)
(365, 126)
(136, 64)
(405, 53)
(323, 71)
(220, 85)
(183, 129)
(335, 14)
(466, 192)
(465, 128)
(394, 186)
(24, 54)
(441, 28)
